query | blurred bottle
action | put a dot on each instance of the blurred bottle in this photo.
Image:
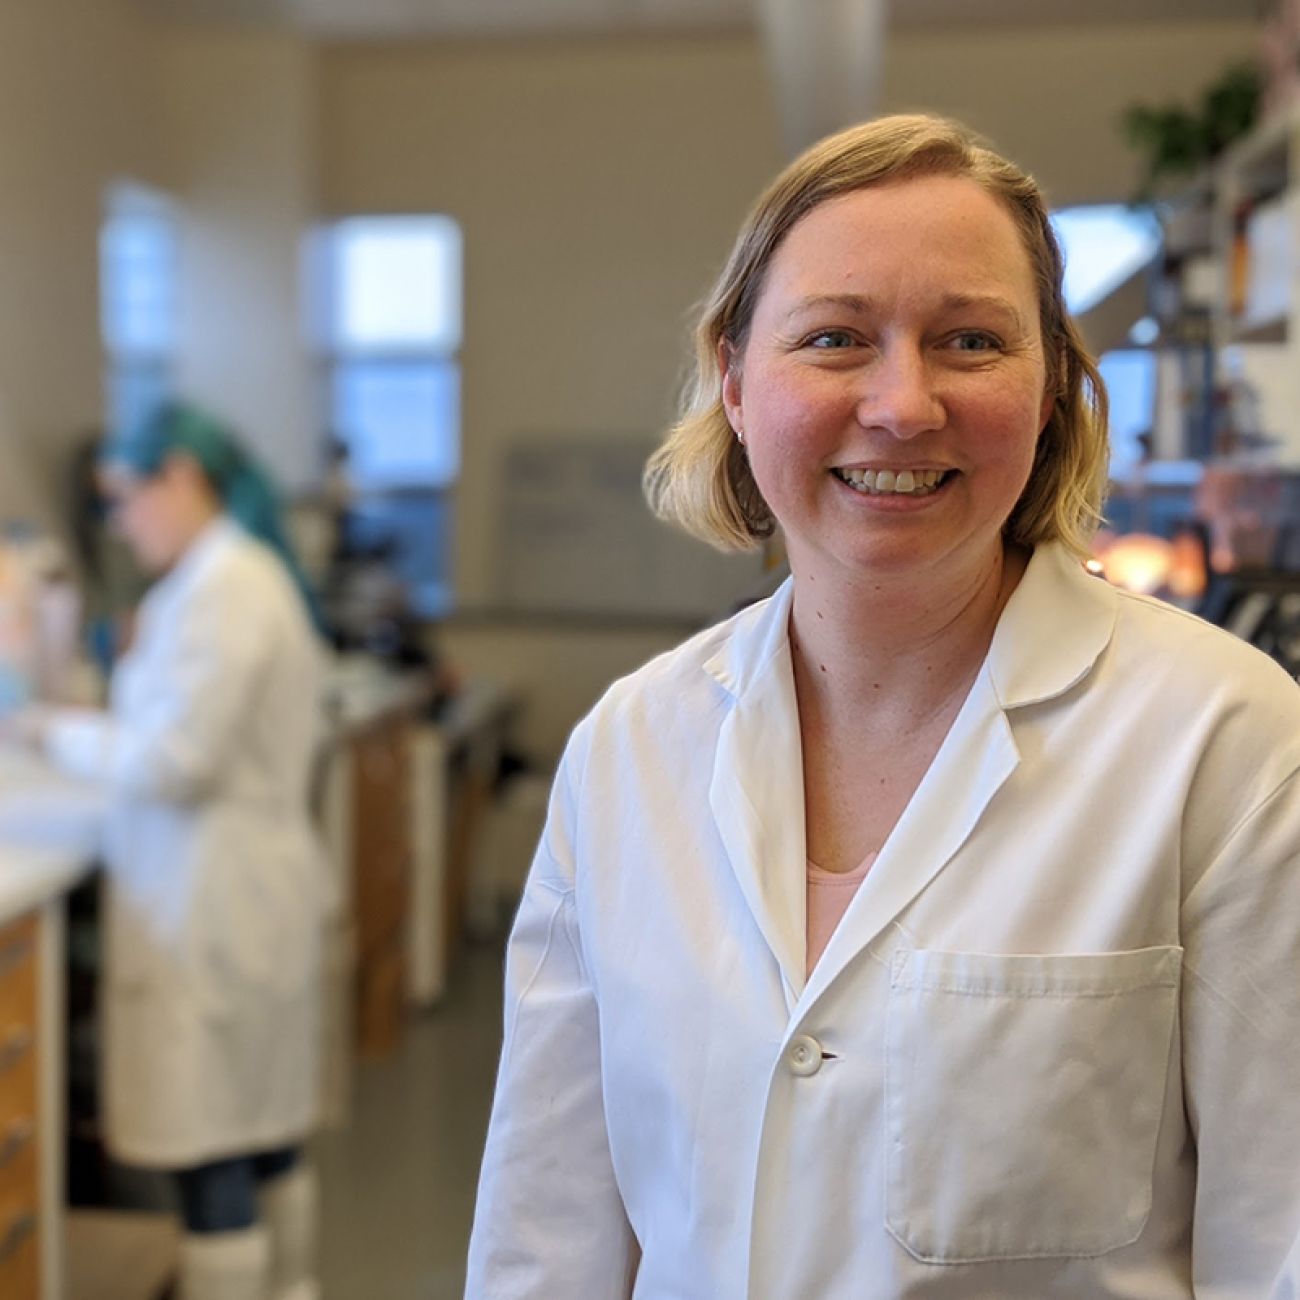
(17, 624)
(41, 652)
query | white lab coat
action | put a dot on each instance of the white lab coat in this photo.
(216, 880)
(1052, 1050)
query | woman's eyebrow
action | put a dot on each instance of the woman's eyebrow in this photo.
(862, 305)
(854, 302)
(988, 302)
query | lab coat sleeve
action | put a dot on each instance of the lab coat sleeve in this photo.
(550, 1221)
(177, 747)
(1241, 1056)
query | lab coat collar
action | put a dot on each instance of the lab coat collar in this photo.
(1050, 634)
(1053, 629)
(199, 556)
(1056, 624)
(759, 635)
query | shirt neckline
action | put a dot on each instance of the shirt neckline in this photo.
(820, 876)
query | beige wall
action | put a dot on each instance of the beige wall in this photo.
(597, 183)
(90, 93)
(240, 109)
(558, 671)
(77, 112)
(1051, 97)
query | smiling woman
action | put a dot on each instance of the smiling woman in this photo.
(927, 929)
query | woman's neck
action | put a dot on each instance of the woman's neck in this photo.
(898, 650)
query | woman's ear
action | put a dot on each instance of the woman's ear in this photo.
(729, 370)
(179, 465)
(182, 469)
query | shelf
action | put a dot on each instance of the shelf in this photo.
(1258, 166)
(1271, 330)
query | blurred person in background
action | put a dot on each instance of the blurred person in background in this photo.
(216, 881)
(929, 929)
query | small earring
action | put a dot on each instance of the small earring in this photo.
(740, 437)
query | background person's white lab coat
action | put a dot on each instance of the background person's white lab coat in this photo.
(217, 882)
(1052, 1050)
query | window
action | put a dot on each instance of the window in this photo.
(1130, 377)
(1103, 244)
(388, 317)
(138, 290)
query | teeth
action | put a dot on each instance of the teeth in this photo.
(903, 482)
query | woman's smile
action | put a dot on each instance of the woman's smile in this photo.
(913, 483)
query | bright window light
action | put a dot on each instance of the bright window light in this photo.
(397, 283)
(1104, 244)
(138, 290)
(388, 293)
(400, 419)
(137, 264)
(1130, 380)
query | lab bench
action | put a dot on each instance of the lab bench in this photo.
(400, 794)
(48, 827)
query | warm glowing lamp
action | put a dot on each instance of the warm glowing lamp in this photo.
(1139, 562)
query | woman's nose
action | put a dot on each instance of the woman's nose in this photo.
(900, 394)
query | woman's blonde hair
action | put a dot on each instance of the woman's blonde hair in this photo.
(699, 477)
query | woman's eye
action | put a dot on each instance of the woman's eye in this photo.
(830, 339)
(975, 342)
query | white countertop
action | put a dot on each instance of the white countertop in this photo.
(49, 831)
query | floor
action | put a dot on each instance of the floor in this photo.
(398, 1183)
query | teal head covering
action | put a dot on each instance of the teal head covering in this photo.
(245, 490)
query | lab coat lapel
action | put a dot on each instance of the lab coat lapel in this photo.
(756, 792)
(975, 759)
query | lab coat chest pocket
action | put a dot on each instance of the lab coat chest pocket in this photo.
(1023, 1100)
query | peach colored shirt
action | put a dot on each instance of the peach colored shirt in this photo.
(829, 896)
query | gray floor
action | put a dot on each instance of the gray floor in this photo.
(398, 1184)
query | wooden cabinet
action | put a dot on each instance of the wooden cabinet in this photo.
(381, 881)
(20, 1191)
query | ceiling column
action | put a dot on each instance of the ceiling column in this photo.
(826, 58)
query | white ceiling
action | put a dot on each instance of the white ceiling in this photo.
(479, 18)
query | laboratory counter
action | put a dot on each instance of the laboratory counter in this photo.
(49, 827)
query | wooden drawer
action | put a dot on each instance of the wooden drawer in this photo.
(18, 974)
(17, 1023)
(381, 835)
(19, 1253)
(19, 1186)
(17, 1070)
(18, 1165)
(381, 1001)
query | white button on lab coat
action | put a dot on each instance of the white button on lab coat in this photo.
(804, 1055)
(217, 881)
(1050, 1051)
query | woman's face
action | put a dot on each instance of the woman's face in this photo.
(148, 513)
(893, 384)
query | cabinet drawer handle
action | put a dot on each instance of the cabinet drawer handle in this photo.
(12, 955)
(16, 1232)
(15, 1139)
(13, 1047)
